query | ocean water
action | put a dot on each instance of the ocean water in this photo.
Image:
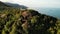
(55, 12)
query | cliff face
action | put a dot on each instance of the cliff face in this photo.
(17, 21)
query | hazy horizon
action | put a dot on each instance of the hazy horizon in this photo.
(48, 7)
(36, 3)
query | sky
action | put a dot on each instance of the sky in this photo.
(36, 3)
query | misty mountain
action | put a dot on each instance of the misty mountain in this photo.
(6, 4)
(16, 5)
(3, 4)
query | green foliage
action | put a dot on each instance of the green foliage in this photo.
(34, 19)
(58, 27)
(10, 23)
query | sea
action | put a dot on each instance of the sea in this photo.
(55, 12)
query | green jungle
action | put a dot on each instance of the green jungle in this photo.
(27, 21)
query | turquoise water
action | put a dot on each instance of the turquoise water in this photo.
(55, 12)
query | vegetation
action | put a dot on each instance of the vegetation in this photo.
(25, 21)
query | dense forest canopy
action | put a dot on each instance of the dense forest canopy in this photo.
(27, 21)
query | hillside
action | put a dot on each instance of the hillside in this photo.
(17, 21)
(26, 21)
(16, 5)
(6, 4)
(3, 5)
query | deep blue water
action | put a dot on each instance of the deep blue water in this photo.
(55, 12)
